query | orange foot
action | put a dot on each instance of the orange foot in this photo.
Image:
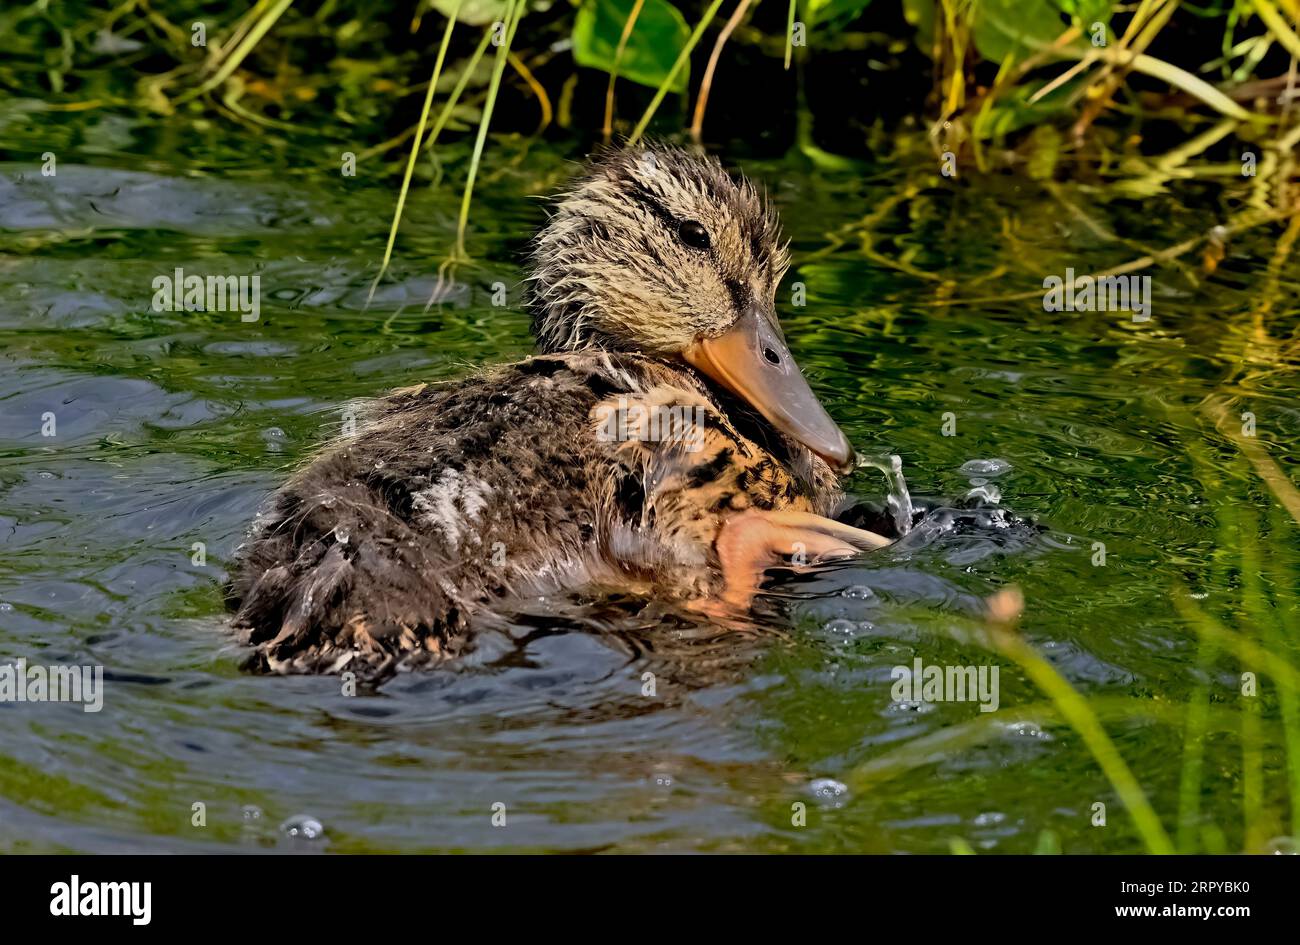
(754, 541)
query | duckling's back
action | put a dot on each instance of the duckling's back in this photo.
(383, 549)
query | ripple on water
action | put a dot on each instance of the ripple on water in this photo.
(600, 724)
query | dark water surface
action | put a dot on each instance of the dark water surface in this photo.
(172, 427)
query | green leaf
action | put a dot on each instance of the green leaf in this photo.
(827, 11)
(1014, 111)
(1005, 27)
(473, 12)
(920, 14)
(657, 37)
(1088, 12)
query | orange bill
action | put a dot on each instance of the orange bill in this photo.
(751, 360)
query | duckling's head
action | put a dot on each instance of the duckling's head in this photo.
(660, 252)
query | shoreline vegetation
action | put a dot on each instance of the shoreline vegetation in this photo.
(1129, 97)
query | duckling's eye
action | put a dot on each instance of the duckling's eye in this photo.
(693, 233)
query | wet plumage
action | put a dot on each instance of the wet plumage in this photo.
(543, 476)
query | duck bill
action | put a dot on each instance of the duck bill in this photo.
(751, 360)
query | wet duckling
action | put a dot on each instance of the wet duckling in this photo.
(662, 442)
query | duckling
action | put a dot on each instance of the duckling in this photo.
(662, 442)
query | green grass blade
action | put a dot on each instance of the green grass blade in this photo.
(1252, 755)
(682, 59)
(1189, 778)
(1277, 25)
(415, 151)
(240, 52)
(1286, 575)
(1243, 649)
(1075, 709)
(789, 35)
(459, 88)
(514, 12)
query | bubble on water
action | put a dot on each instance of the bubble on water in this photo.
(1283, 846)
(341, 534)
(5, 607)
(274, 439)
(910, 705)
(1027, 730)
(45, 475)
(829, 791)
(858, 592)
(840, 626)
(302, 827)
(251, 813)
(984, 467)
(989, 819)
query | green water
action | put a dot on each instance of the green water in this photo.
(172, 427)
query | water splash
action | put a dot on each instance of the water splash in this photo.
(984, 492)
(899, 500)
(979, 472)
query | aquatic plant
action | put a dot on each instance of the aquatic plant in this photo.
(1128, 96)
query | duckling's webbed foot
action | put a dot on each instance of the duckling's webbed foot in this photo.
(750, 543)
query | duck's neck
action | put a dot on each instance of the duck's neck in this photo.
(566, 328)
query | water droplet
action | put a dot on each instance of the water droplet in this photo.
(341, 534)
(302, 827)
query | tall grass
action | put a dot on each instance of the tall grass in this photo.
(415, 151)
